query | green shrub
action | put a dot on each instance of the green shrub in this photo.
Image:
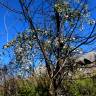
(39, 87)
(82, 87)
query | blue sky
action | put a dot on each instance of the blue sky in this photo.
(14, 25)
(11, 24)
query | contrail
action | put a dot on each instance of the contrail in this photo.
(6, 29)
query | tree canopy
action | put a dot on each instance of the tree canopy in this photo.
(56, 31)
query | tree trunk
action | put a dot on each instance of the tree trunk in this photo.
(52, 90)
(56, 88)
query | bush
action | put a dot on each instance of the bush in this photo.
(82, 87)
(39, 86)
(34, 87)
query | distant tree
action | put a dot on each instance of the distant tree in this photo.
(57, 29)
